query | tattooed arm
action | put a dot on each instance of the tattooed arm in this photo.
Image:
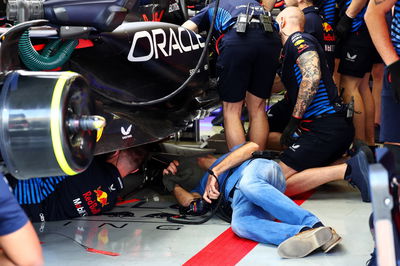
(378, 29)
(311, 72)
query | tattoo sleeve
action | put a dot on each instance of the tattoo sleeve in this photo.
(311, 75)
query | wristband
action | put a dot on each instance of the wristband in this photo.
(211, 172)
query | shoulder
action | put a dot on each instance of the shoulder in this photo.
(301, 42)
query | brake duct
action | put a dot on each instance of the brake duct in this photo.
(47, 124)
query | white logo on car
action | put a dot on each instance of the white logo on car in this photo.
(126, 132)
(159, 44)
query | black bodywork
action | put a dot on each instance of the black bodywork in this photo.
(134, 72)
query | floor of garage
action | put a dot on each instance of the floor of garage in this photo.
(142, 236)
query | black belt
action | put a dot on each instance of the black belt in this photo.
(253, 24)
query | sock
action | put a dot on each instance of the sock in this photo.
(319, 224)
(305, 228)
(348, 172)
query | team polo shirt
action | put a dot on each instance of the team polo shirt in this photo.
(328, 11)
(56, 198)
(313, 23)
(228, 11)
(323, 102)
(395, 28)
(12, 217)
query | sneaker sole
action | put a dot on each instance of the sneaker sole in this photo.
(328, 247)
(300, 246)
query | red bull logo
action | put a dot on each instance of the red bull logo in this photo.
(326, 27)
(101, 197)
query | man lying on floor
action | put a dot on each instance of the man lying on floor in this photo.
(89, 193)
(255, 187)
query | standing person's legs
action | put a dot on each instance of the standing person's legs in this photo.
(234, 131)
(336, 74)
(258, 127)
(350, 86)
(369, 107)
(377, 79)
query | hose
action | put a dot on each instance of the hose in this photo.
(185, 83)
(36, 62)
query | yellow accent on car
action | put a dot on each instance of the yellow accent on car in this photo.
(55, 122)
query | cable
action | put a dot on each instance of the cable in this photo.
(182, 219)
(184, 84)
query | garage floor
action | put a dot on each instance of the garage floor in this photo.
(137, 233)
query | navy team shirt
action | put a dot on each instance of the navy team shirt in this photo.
(323, 102)
(313, 23)
(228, 11)
(63, 197)
(12, 217)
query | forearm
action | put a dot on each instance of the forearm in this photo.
(378, 29)
(311, 75)
(190, 25)
(355, 7)
(235, 158)
(184, 197)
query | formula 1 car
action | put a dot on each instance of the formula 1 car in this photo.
(74, 73)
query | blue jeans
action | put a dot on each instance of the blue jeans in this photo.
(259, 199)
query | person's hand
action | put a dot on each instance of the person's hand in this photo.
(287, 138)
(343, 27)
(211, 192)
(172, 168)
(394, 79)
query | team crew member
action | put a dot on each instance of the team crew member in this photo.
(279, 114)
(19, 244)
(357, 55)
(89, 193)
(389, 49)
(247, 65)
(254, 190)
(323, 131)
(317, 117)
(313, 23)
(328, 11)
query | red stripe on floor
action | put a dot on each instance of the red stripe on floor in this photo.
(228, 248)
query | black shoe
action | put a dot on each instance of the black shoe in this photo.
(361, 145)
(359, 175)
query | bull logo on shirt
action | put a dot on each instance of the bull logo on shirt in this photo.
(329, 35)
(101, 196)
(326, 27)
